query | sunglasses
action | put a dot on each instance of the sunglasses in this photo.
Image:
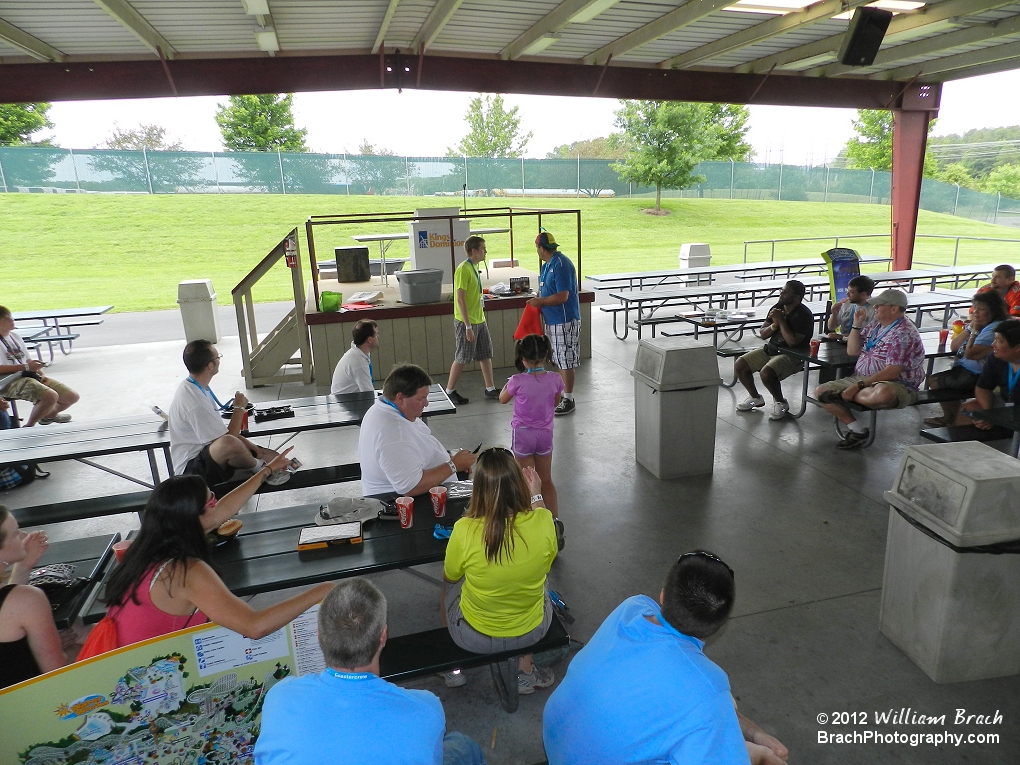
(707, 556)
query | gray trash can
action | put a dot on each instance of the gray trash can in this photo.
(948, 600)
(198, 310)
(676, 383)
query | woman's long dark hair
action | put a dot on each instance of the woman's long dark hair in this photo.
(499, 493)
(171, 531)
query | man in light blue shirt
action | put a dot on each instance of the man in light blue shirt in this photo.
(643, 691)
(347, 713)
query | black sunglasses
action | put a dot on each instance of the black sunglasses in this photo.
(708, 556)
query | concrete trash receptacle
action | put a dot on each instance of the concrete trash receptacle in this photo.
(948, 600)
(198, 310)
(676, 382)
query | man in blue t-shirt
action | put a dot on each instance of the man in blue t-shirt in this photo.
(642, 690)
(1001, 371)
(561, 311)
(347, 712)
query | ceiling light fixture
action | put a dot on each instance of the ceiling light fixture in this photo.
(267, 41)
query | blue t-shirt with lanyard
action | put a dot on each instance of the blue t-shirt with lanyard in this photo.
(999, 374)
(558, 275)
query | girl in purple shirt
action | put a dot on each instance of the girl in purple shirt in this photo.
(535, 392)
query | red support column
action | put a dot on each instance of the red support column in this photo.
(918, 107)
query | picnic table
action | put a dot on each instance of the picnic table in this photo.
(53, 325)
(91, 558)
(81, 440)
(386, 241)
(1007, 417)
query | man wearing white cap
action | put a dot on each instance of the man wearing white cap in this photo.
(889, 369)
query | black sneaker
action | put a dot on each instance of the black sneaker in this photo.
(854, 440)
(456, 398)
(566, 406)
(561, 539)
(494, 393)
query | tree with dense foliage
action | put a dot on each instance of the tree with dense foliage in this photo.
(1004, 180)
(375, 169)
(19, 121)
(979, 151)
(260, 123)
(142, 159)
(731, 120)
(495, 131)
(607, 147)
(148, 137)
(667, 139)
(871, 149)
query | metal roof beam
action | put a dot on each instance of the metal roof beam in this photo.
(554, 21)
(767, 29)
(135, 23)
(440, 16)
(951, 63)
(994, 67)
(662, 26)
(385, 25)
(904, 22)
(929, 45)
(27, 44)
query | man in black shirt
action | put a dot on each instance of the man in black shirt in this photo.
(1001, 370)
(789, 325)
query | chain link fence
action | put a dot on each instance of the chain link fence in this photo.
(36, 169)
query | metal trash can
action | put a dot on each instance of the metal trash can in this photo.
(676, 383)
(951, 589)
(198, 310)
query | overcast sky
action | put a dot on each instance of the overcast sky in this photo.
(426, 123)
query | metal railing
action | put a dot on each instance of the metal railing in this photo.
(956, 240)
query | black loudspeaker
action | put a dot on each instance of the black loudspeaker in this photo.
(864, 36)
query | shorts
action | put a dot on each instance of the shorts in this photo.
(904, 396)
(205, 467)
(30, 389)
(479, 350)
(782, 365)
(470, 639)
(957, 377)
(525, 442)
(566, 343)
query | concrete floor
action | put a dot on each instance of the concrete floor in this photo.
(802, 524)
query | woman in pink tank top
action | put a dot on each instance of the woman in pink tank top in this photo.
(167, 582)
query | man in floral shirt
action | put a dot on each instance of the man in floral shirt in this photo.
(889, 369)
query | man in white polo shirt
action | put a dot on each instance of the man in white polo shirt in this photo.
(397, 451)
(353, 374)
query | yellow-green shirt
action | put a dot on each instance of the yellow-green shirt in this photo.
(466, 278)
(504, 598)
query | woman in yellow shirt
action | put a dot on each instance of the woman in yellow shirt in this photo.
(496, 563)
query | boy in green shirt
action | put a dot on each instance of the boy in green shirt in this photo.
(472, 335)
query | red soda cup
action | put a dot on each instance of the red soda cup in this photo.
(438, 495)
(405, 509)
(943, 336)
(815, 345)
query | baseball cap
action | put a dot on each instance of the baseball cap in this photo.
(889, 297)
(547, 240)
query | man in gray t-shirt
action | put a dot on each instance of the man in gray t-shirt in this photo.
(857, 293)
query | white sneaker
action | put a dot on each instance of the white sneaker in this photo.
(779, 410)
(749, 403)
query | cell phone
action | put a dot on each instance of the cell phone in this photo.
(294, 466)
(477, 448)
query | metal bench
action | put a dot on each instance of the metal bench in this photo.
(954, 434)
(923, 397)
(432, 651)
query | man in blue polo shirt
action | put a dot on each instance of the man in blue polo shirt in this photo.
(642, 690)
(561, 311)
(347, 713)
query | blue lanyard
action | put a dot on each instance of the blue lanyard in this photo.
(1012, 376)
(390, 403)
(533, 370)
(207, 392)
(348, 675)
(873, 341)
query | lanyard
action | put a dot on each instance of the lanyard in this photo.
(1012, 376)
(208, 392)
(873, 341)
(533, 370)
(348, 675)
(15, 353)
(390, 403)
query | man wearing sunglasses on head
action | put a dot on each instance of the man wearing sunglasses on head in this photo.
(642, 690)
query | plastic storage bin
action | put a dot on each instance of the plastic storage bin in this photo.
(424, 285)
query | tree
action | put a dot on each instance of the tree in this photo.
(19, 121)
(667, 140)
(731, 121)
(495, 132)
(375, 170)
(956, 173)
(260, 123)
(607, 147)
(872, 148)
(1004, 180)
(148, 137)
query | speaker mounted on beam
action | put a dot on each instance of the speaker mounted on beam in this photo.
(864, 36)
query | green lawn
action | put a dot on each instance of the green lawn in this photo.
(132, 251)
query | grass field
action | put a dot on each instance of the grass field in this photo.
(132, 251)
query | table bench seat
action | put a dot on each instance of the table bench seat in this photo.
(954, 434)
(432, 651)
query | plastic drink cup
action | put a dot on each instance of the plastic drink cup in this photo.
(958, 326)
(120, 548)
(438, 494)
(943, 336)
(815, 345)
(405, 509)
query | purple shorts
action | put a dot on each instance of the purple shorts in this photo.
(526, 442)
